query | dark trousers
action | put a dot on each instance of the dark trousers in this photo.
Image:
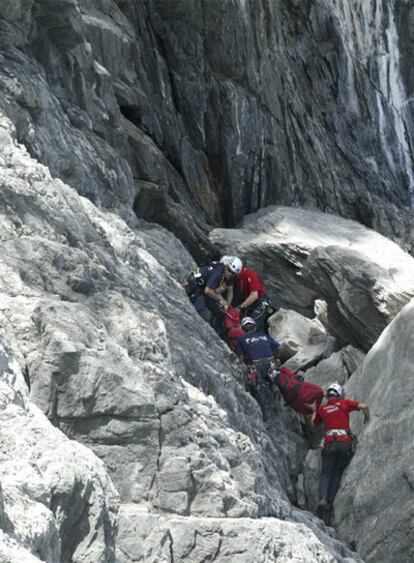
(260, 311)
(210, 311)
(335, 457)
(260, 389)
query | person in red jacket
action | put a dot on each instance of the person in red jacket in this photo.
(339, 445)
(252, 296)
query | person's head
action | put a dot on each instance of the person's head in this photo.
(248, 324)
(233, 264)
(335, 390)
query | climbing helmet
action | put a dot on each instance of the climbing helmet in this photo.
(335, 389)
(234, 264)
(247, 322)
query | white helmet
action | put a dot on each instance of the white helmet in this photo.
(234, 264)
(335, 389)
(225, 259)
(247, 322)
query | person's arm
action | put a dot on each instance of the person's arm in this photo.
(217, 297)
(316, 419)
(365, 410)
(229, 295)
(210, 290)
(275, 347)
(250, 299)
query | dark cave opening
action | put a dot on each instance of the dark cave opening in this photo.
(132, 113)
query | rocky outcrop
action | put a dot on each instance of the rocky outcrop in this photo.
(303, 342)
(375, 505)
(154, 538)
(204, 115)
(306, 256)
(57, 502)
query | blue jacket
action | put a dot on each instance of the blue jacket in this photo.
(256, 345)
(213, 276)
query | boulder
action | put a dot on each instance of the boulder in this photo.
(303, 342)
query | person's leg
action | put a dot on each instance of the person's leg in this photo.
(260, 311)
(217, 319)
(256, 311)
(262, 387)
(201, 308)
(217, 316)
(328, 465)
(342, 459)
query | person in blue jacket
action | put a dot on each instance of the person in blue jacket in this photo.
(259, 351)
(210, 289)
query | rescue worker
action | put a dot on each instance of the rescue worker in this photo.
(252, 295)
(339, 444)
(210, 289)
(259, 351)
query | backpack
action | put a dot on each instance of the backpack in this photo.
(232, 326)
(296, 391)
(288, 384)
(196, 281)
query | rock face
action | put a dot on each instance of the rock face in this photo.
(149, 111)
(376, 504)
(304, 256)
(208, 113)
(117, 358)
(57, 502)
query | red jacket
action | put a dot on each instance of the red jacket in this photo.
(335, 415)
(249, 281)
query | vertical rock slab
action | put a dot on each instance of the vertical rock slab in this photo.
(375, 506)
(57, 502)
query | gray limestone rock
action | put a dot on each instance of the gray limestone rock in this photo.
(200, 115)
(303, 342)
(153, 111)
(154, 538)
(375, 504)
(56, 500)
(338, 367)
